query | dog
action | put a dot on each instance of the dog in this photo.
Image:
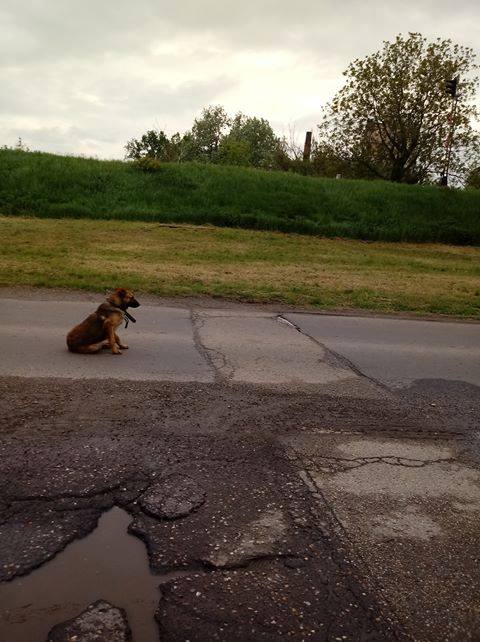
(99, 328)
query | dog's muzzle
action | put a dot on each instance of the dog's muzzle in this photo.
(134, 304)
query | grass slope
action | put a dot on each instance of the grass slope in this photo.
(46, 185)
(240, 264)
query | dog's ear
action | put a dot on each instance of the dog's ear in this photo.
(121, 292)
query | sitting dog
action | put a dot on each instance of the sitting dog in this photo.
(98, 329)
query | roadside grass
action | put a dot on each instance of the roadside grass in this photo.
(240, 264)
(51, 186)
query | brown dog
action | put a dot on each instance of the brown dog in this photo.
(98, 329)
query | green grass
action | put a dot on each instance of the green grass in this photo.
(45, 185)
(239, 264)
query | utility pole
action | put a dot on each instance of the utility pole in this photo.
(307, 148)
(451, 87)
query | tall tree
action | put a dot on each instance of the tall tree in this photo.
(250, 141)
(392, 118)
(207, 133)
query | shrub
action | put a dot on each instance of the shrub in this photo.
(148, 164)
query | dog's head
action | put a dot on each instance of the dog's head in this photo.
(123, 298)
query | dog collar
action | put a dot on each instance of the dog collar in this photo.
(128, 317)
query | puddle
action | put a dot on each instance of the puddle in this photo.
(108, 564)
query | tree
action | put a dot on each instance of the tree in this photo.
(326, 161)
(214, 138)
(233, 151)
(251, 141)
(473, 179)
(391, 120)
(153, 144)
(207, 133)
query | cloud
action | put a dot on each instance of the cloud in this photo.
(96, 73)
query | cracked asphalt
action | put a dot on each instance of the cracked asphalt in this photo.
(288, 475)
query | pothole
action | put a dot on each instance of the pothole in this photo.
(107, 564)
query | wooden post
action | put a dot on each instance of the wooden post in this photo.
(307, 149)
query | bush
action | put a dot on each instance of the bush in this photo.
(148, 164)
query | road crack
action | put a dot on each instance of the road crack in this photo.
(216, 360)
(335, 359)
(334, 464)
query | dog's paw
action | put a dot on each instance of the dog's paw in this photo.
(123, 346)
(115, 350)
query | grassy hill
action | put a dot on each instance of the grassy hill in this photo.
(46, 185)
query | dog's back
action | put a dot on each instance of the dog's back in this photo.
(89, 331)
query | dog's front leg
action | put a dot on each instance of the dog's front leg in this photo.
(111, 336)
(121, 345)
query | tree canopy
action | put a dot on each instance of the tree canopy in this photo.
(392, 118)
(208, 131)
(214, 138)
(251, 141)
(153, 144)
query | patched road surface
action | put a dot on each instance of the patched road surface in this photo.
(238, 474)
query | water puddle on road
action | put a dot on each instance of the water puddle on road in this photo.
(108, 564)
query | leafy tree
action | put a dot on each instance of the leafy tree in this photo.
(281, 157)
(391, 119)
(326, 161)
(153, 144)
(204, 140)
(253, 140)
(233, 151)
(186, 148)
(473, 179)
(214, 138)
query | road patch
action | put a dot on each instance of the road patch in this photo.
(410, 511)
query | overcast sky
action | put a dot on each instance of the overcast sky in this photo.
(84, 76)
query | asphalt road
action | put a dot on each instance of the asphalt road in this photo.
(397, 351)
(177, 344)
(292, 475)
